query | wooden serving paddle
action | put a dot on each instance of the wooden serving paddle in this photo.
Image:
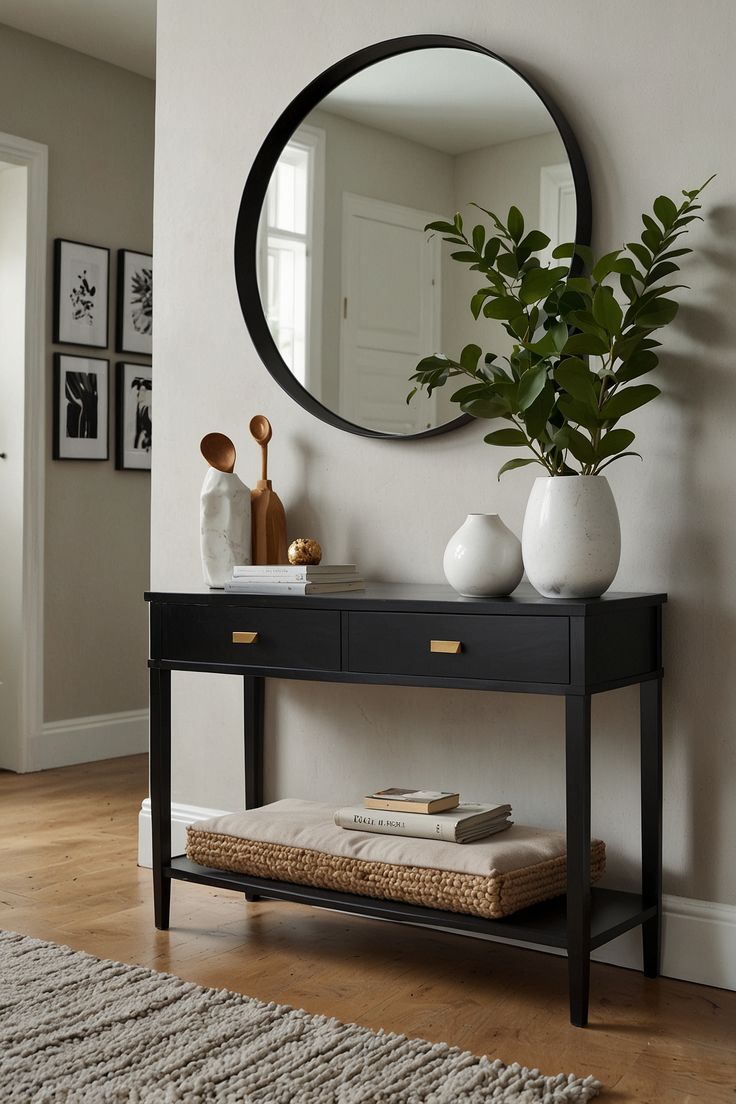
(268, 517)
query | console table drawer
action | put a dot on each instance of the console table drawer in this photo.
(503, 648)
(244, 636)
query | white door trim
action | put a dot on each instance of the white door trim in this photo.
(34, 156)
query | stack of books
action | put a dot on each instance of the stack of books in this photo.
(285, 579)
(425, 814)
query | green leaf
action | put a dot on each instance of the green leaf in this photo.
(643, 256)
(411, 395)
(538, 283)
(665, 268)
(605, 265)
(530, 385)
(658, 312)
(508, 265)
(675, 253)
(616, 440)
(437, 360)
(577, 380)
(578, 412)
(580, 446)
(465, 256)
(607, 312)
(519, 462)
(491, 250)
(665, 210)
(472, 391)
(537, 415)
(623, 402)
(441, 227)
(479, 237)
(515, 223)
(476, 303)
(505, 306)
(652, 228)
(534, 241)
(486, 408)
(638, 364)
(570, 249)
(505, 437)
(629, 288)
(470, 356)
(587, 344)
(620, 456)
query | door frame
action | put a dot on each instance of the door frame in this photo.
(357, 206)
(34, 157)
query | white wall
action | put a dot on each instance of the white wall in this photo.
(649, 119)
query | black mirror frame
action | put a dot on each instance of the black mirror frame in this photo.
(254, 193)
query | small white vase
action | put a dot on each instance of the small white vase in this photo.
(571, 541)
(224, 515)
(483, 559)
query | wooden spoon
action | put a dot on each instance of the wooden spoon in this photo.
(260, 429)
(219, 451)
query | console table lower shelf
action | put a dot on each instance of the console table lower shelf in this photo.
(612, 911)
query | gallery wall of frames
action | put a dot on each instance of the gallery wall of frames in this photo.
(83, 399)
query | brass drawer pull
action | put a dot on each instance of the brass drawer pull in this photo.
(245, 638)
(449, 647)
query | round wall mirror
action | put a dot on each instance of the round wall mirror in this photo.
(342, 289)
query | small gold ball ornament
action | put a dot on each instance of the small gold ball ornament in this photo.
(304, 550)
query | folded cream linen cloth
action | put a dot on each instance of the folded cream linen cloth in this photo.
(309, 824)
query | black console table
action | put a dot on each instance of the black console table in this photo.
(429, 636)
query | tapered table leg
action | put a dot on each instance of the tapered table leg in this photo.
(651, 821)
(160, 767)
(577, 758)
(253, 710)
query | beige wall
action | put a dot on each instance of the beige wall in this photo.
(648, 120)
(97, 121)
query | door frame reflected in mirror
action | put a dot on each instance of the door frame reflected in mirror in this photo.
(257, 183)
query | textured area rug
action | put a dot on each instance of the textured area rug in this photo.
(76, 1028)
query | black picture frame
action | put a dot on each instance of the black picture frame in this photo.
(256, 186)
(81, 294)
(89, 398)
(132, 416)
(134, 327)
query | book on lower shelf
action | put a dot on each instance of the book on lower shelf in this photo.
(400, 800)
(464, 824)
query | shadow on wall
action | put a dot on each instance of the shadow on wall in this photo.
(699, 629)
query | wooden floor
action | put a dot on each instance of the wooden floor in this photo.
(68, 874)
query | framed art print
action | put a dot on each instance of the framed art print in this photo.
(133, 417)
(81, 292)
(81, 403)
(135, 302)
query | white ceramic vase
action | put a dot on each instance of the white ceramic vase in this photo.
(224, 514)
(571, 541)
(483, 559)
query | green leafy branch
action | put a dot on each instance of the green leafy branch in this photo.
(579, 345)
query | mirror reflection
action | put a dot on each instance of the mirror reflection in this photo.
(354, 290)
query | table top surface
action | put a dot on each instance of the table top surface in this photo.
(418, 598)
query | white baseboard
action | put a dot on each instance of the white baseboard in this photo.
(181, 815)
(698, 937)
(87, 739)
